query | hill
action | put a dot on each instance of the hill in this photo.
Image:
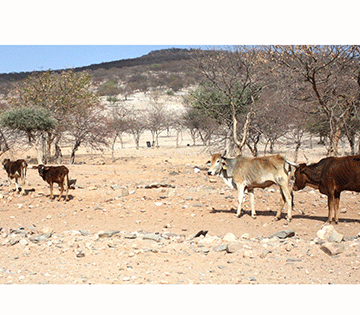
(168, 67)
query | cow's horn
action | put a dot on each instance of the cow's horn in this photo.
(224, 153)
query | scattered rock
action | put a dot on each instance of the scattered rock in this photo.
(264, 253)
(233, 247)
(220, 248)
(80, 254)
(40, 237)
(335, 237)
(283, 234)
(229, 237)
(130, 235)
(152, 237)
(332, 249)
(110, 233)
(325, 232)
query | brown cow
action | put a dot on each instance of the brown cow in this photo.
(15, 169)
(331, 176)
(248, 173)
(55, 174)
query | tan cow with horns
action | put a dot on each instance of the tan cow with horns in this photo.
(260, 172)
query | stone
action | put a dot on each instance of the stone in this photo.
(24, 242)
(110, 233)
(220, 248)
(130, 236)
(40, 237)
(325, 232)
(289, 246)
(14, 240)
(283, 234)
(80, 254)
(233, 247)
(332, 249)
(229, 237)
(84, 233)
(152, 237)
(335, 237)
(264, 253)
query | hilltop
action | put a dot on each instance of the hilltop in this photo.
(159, 62)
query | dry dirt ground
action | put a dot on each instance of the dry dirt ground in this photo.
(133, 221)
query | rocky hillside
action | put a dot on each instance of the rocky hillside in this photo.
(168, 68)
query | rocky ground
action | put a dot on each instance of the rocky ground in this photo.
(151, 217)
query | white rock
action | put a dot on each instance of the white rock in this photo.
(325, 232)
(229, 237)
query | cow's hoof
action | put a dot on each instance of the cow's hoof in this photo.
(276, 219)
(254, 217)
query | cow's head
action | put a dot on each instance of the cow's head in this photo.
(217, 163)
(300, 177)
(6, 161)
(41, 170)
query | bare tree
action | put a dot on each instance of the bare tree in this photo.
(326, 76)
(156, 120)
(231, 86)
(136, 125)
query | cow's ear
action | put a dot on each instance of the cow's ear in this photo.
(224, 165)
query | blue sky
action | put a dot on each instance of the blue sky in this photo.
(39, 36)
(23, 58)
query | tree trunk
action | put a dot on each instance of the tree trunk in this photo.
(41, 149)
(334, 141)
(58, 153)
(113, 148)
(74, 149)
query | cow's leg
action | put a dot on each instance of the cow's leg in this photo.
(286, 196)
(61, 190)
(240, 198)
(51, 190)
(66, 183)
(67, 192)
(336, 207)
(251, 197)
(331, 201)
(17, 185)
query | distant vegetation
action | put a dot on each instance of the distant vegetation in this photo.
(234, 97)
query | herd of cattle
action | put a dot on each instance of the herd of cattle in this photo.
(330, 175)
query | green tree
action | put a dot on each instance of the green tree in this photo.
(60, 93)
(35, 122)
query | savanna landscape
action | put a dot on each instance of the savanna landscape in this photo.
(144, 210)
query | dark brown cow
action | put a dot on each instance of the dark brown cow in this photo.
(55, 174)
(331, 176)
(15, 169)
(248, 173)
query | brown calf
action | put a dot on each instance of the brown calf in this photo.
(15, 169)
(55, 174)
(331, 176)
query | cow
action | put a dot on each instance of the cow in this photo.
(55, 174)
(331, 175)
(15, 169)
(259, 172)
